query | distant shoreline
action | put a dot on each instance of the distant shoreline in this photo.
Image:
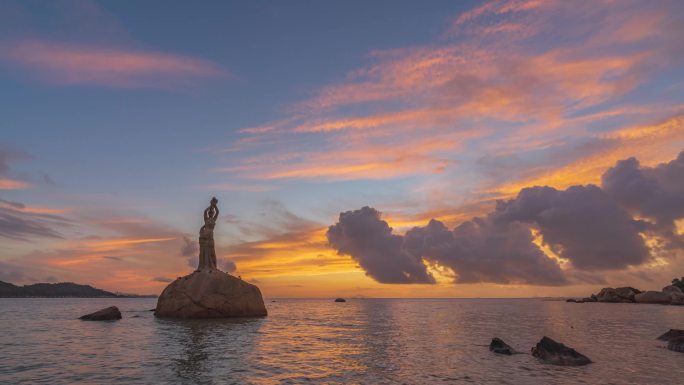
(61, 290)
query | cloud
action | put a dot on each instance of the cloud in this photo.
(370, 242)
(543, 236)
(227, 265)
(20, 224)
(581, 224)
(190, 249)
(523, 75)
(7, 183)
(74, 64)
(654, 193)
(162, 279)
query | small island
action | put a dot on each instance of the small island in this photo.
(670, 295)
(60, 290)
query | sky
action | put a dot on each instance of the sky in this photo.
(359, 149)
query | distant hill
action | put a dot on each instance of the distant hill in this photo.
(59, 290)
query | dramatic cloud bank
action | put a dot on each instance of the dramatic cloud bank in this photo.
(536, 238)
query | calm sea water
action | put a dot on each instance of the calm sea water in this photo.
(369, 341)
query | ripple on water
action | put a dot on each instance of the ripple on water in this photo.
(378, 341)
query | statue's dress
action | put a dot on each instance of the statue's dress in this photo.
(207, 254)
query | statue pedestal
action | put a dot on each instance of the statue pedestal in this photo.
(210, 294)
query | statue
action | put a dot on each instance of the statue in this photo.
(209, 292)
(207, 253)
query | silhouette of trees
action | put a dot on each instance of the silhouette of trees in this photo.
(679, 283)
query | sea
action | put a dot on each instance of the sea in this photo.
(318, 341)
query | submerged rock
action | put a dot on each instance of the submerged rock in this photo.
(676, 344)
(657, 297)
(340, 300)
(552, 352)
(106, 314)
(672, 333)
(498, 346)
(210, 294)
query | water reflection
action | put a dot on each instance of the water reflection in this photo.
(375, 341)
(202, 348)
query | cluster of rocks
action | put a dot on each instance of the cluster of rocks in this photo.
(547, 351)
(551, 352)
(670, 295)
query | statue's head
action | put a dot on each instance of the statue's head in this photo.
(214, 201)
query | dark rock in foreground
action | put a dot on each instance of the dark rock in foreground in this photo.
(657, 297)
(672, 333)
(340, 300)
(107, 314)
(210, 294)
(676, 344)
(498, 346)
(552, 352)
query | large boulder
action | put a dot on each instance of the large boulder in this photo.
(498, 346)
(675, 293)
(670, 334)
(106, 314)
(552, 352)
(620, 294)
(653, 297)
(210, 293)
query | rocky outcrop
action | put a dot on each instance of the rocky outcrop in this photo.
(617, 295)
(590, 299)
(499, 347)
(340, 300)
(552, 352)
(210, 294)
(672, 333)
(675, 293)
(676, 344)
(106, 314)
(657, 297)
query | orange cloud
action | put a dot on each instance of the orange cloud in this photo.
(11, 184)
(77, 64)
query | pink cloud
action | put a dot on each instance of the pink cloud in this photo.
(71, 64)
(490, 78)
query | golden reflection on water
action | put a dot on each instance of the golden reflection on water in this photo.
(373, 341)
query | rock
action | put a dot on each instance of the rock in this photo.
(571, 300)
(589, 299)
(552, 352)
(672, 333)
(210, 294)
(675, 293)
(340, 300)
(676, 344)
(106, 314)
(672, 289)
(653, 297)
(498, 346)
(621, 294)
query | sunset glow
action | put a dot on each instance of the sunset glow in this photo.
(117, 130)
